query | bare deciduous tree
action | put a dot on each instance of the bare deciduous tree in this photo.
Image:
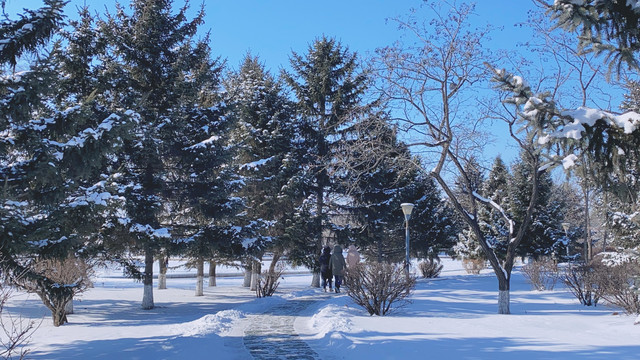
(428, 83)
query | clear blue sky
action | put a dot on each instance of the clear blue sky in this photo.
(272, 29)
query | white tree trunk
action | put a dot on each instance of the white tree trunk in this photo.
(200, 278)
(255, 273)
(162, 275)
(503, 302)
(247, 278)
(315, 281)
(162, 281)
(147, 297)
(212, 273)
(68, 307)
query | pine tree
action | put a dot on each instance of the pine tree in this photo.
(496, 188)
(377, 187)
(539, 239)
(327, 87)
(609, 26)
(467, 244)
(266, 159)
(157, 68)
(55, 149)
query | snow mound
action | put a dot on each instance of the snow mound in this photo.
(218, 323)
(333, 320)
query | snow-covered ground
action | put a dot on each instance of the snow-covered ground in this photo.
(453, 317)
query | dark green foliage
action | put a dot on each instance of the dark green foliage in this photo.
(493, 223)
(328, 89)
(266, 159)
(30, 32)
(55, 152)
(610, 27)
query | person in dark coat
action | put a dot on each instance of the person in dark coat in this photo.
(337, 266)
(325, 268)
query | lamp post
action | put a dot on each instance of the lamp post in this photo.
(406, 209)
(565, 226)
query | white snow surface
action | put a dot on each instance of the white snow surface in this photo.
(452, 317)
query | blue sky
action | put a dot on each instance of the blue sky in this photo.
(272, 29)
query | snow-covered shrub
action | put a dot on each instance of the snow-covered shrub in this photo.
(618, 285)
(582, 281)
(268, 282)
(378, 286)
(430, 268)
(72, 274)
(474, 266)
(542, 274)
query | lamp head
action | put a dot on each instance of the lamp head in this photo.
(406, 209)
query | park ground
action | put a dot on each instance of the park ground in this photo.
(451, 317)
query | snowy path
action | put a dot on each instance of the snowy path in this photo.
(271, 335)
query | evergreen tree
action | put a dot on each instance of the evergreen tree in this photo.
(604, 26)
(55, 150)
(157, 68)
(541, 236)
(378, 187)
(328, 88)
(266, 159)
(496, 188)
(467, 245)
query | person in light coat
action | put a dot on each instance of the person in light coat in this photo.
(337, 265)
(353, 257)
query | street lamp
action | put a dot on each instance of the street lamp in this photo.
(565, 226)
(406, 209)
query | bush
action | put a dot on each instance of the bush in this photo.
(378, 286)
(430, 268)
(542, 274)
(71, 275)
(582, 281)
(473, 266)
(268, 282)
(618, 287)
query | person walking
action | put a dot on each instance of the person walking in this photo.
(325, 268)
(353, 257)
(337, 265)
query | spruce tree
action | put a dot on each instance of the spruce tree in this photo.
(328, 88)
(467, 245)
(265, 158)
(377, 187)
(157, 68)
(496, 188)
(55, 153)
(539, 237)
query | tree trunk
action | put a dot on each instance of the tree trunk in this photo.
(315, 281)
(588, 251)
(255, 275)
(162, 276)
(68, 307)
(503, 296)
(274, 262)
(247, 277)
(200, 277)
(147, 280)
(59, 317)
(212, 273)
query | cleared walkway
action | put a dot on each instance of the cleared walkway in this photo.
(272, 335)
